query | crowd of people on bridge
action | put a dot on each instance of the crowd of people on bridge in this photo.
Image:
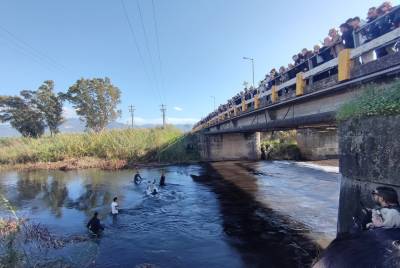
(353, 32)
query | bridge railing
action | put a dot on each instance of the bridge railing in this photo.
(337, 69)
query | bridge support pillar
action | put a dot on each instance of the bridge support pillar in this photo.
(318, 144)
(230, 146)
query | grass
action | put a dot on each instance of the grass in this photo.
(132, 145)
(376, 100)
(281, 145)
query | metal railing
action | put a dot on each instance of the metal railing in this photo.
(377, 27)
(382, 40)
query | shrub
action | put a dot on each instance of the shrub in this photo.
(375, 100)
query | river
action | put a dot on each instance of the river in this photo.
(225, 214)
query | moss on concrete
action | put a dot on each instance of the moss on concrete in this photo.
(374, 101)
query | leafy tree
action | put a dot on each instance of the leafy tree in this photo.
(50, 105)
(22, 114)
(95, 101)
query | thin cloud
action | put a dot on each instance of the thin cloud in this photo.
(69, 112)
(179, 109)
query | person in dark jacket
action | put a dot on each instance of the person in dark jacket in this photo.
(162, 179)
(94, 224)
(347, 35)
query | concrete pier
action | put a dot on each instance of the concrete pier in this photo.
(230, 146)
(318, 144)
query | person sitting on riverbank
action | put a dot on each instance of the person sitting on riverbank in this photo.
(388, 213)
(137, 179)
(94, 224)
(114, 207)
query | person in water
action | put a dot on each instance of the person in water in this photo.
(94, 224)
(114, 206)
(387, 215)
(137, 179)
(162, 179)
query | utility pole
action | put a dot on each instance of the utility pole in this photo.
(252, 66)
(163, 110)
(132, 111)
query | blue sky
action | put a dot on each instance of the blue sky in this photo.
(201, 46)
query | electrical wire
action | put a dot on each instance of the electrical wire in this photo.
(27, 48)
(137, 44)
(158, 45)
(146, 41)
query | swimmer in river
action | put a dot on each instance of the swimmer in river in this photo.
(94, 224)
(152, 189)
(162, 179)
(137, 179)
(114, 207)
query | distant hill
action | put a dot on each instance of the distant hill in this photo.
(74, 125)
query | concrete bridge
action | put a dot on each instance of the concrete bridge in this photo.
(306, 103)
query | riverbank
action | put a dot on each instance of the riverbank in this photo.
(109, 150)
(87, 163)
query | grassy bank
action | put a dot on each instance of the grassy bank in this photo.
(129, 146)
(374, 101)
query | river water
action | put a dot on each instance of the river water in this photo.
(226, 214)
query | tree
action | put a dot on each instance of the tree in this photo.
(22, 114)
(50, 105)
(95, 101)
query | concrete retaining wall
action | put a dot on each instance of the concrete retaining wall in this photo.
(315, 144)
(369, 157)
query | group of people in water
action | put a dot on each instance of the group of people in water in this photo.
(94, 224)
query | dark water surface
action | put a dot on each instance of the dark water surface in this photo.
(265, 214)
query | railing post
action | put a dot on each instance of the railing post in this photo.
(274, 94)
(256, 102)
(310, 66)
(244, 105)
(300, 84)
(344, 65)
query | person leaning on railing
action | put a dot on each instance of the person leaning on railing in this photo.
(347, 34)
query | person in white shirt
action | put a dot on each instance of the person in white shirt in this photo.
(114, 206)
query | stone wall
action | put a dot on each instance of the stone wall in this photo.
(369, 157)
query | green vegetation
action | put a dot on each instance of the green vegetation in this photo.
(375, 100)
(281, 145)
(130, 145)
(95, 101)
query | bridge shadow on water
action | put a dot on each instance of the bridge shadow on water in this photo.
(263, 237)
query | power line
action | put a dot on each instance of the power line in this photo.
(23, 45)
(157, 43)
(136, 43)
(147, 46)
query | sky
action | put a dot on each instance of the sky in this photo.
(182, 55)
